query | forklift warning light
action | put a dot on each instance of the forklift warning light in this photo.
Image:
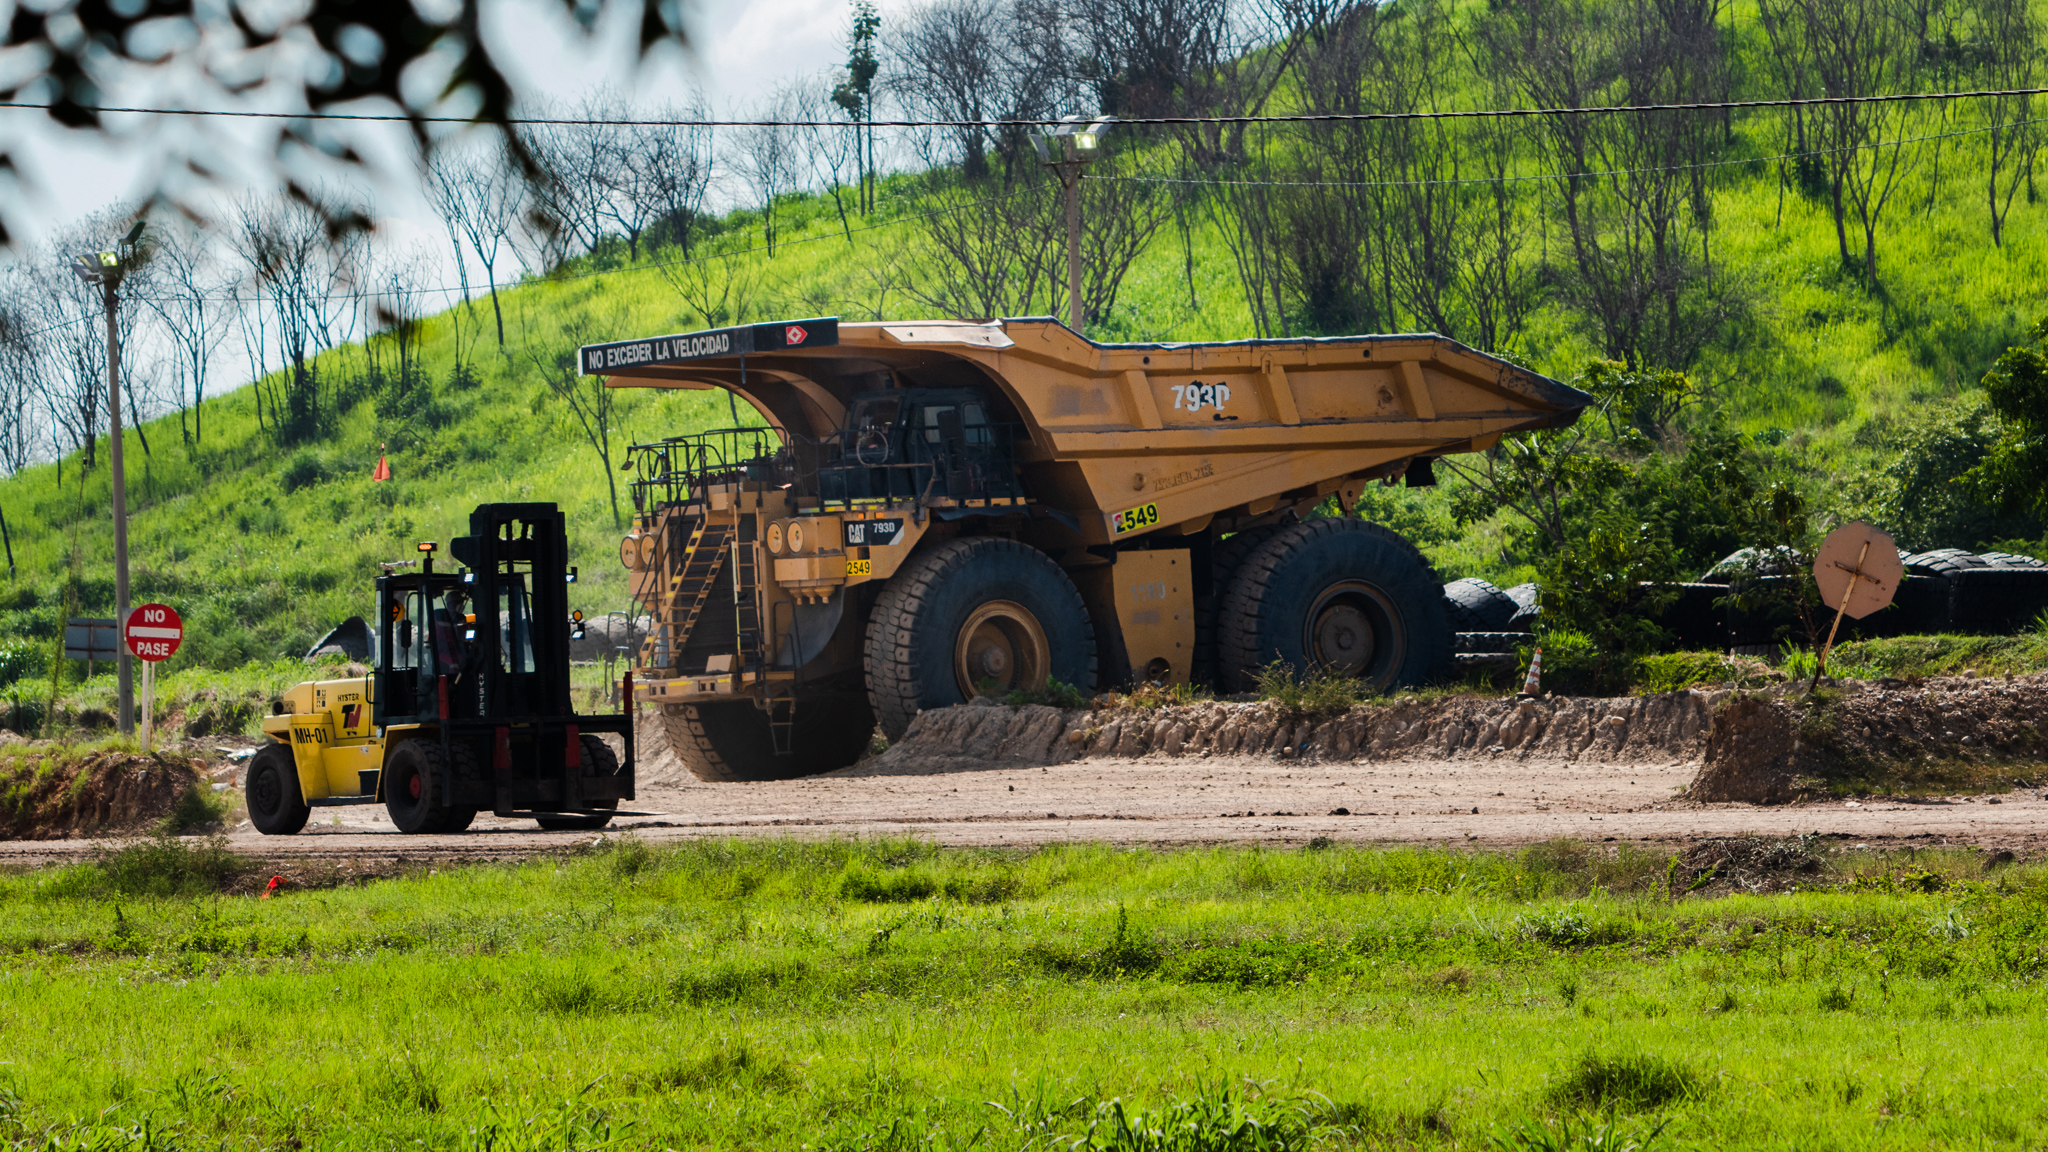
(429, 546)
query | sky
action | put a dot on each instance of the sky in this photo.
(741, 50)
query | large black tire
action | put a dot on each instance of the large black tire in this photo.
(985, 607)
(1943, 562)
(271, 786)
(1225, 559)
(1340, 595)
(729, 743)
(1475, 605)
(598, 760)
(416, 789)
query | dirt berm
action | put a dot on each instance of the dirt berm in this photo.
(52, 796)
(1764, 747)
(985, 734)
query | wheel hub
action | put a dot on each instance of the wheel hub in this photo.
(1000, 648)
(414, 786)
(267, 791)
(1353, 629)
(1344, 640)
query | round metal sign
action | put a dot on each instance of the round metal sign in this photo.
(154, 632)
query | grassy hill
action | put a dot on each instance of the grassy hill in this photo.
(263, 547)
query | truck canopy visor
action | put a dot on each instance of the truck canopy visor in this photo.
(778, 336)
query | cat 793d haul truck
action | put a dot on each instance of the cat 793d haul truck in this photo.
(940, 509)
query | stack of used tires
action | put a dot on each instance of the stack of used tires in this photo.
(1985, 594)
(1487, 622)
(1945, 590)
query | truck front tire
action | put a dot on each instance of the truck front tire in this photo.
(1336, 595)
(271, 786)
(975, 613)
(730, 743)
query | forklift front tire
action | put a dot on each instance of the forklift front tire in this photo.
(416, 789)
(272, 788)
(598, 760)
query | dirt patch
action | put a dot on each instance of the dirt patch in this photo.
(51, 797)
(1663, 727)
(1951, 734)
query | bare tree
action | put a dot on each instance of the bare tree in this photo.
(680, 170)
(192, 299)
(590, 401)
(2010, 36)
(1851, 48)
(478, 199)
(719, 289)
(770, 159)
(21, 423)
(305, 276)
(1629, 190)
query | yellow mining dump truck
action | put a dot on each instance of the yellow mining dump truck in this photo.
(947, 508)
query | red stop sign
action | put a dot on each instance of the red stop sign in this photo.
(154, 632)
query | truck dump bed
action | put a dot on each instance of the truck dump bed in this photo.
(1133, 438)
(942, 509)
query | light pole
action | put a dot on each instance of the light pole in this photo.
(106, 269)
(1068, 150)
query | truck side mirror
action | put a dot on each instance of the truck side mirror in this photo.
(405, 634)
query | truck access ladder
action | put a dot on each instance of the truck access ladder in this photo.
(690, 588)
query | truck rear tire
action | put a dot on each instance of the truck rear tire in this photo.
(1228, 555)
(598, 760)
(968, 613)
(730, 743)
(271, 786)
(1339, 595)
(416, 789)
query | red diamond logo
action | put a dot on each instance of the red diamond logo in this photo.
(793, 335)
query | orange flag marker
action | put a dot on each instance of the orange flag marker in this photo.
(383, 471)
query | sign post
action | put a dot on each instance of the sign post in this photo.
(153, 633)
(1858, 571)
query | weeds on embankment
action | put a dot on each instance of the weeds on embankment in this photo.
(889, 994)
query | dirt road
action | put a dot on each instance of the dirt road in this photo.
(1188, 800)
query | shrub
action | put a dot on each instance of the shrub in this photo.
(1055, 694)
(1635, 1082)
(305, 469)
(164, 865)
(1320, 692)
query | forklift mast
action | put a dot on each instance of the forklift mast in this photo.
(490, 642)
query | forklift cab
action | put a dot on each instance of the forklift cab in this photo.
(487, 642)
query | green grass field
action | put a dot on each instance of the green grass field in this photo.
(891, 995)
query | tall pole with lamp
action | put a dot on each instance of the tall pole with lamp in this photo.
(1068, 150)
(106, 270)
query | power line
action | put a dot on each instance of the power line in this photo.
(1043, 122)
(1571, 176)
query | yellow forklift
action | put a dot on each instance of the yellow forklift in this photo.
(466, 707)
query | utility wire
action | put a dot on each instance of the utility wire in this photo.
(1043, 122)
(1573, 176)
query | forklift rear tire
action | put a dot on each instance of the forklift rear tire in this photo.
(271, 786)
(598, 760)
(731, 743)
(1336, 595)
(416, 789)
(968, 613)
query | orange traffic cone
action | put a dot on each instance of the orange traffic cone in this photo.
(383, 471)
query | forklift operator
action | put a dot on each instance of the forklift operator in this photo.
(449, 622)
